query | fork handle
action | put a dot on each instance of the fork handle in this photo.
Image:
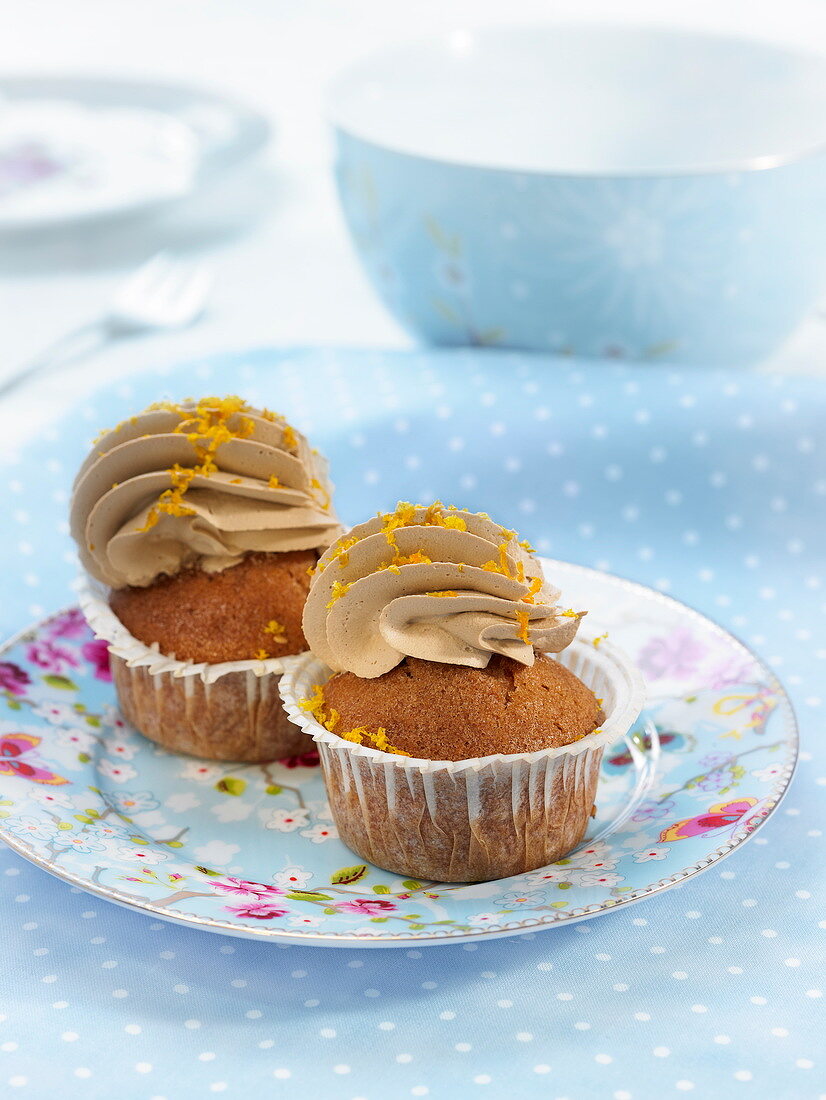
(78, 344)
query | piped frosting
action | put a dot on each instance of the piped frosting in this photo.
(437, 583)
(202, 481)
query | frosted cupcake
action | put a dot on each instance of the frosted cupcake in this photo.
(197, 524)
(454, 747)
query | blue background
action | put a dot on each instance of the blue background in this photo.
(709, 485)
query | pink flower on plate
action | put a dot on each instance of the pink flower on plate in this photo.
(245, 888)
(71, 624)
(13, 678)
(97, 654)
(303, 760)
(366, 905)
(50, 657)
(677, 655)
(258, 910)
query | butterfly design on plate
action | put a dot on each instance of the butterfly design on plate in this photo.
(13, 746)
(721, 816)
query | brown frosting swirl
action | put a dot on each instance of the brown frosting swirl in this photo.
(201, 482)
(437, 583)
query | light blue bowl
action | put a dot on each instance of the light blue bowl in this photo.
(582, 190)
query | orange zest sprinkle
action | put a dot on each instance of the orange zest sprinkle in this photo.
(260, 655)
(527, 546)
(289, 438)
(273, 482)
(331, 720)
(418, 557)
(340, 553)
(599, 639)
(315, 703)
(235, 481)
(441, 593)
(524, 619)
(338, 591)
(206, 425)
(278, 632)
(405, 516)
(533, 589)
(570, 614)
(355, 735)
(520, 572)
(502, 566)
(379, 739)
(322, 492)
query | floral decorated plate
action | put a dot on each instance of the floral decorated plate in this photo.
(251, 850)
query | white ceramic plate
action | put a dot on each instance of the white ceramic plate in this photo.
(79, 149)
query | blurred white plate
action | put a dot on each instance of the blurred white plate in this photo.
(79, 149)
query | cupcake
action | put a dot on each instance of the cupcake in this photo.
(198, 525)
(460, 723)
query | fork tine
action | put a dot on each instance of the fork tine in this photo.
(193, 291)
(154, 269)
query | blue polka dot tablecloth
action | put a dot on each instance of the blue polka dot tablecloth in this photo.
(708, 485)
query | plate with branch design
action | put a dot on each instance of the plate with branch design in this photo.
(251, 850)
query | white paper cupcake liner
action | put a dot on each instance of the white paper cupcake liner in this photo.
(470, 820)
(226, 711)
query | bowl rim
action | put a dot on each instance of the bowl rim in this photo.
(361, 64)
(613, 661)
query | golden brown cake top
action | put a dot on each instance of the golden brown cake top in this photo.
(251, 611)
(198, 482)
(438, 583)
(436, 711)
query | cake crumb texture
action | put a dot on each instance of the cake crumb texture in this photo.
(250, 610)
(438, 711)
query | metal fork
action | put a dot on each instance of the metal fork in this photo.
(159, 295)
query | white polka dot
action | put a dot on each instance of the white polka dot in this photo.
(9, 1047)
(133, 1029)
(447, 1015)
(814, 993)
(684, 1086)
(792, 962)
(143, 1067)
(419, 1090)
(542, 1068)
(758, 1000)
(564, 996)
(266, 1044)
(386, 1026)
(742, 1075)
(18, 1081)
(524, 1036)
(780, 1032)
(404, 1059)
(603, 1059)
(699, 1009)
(804, 1063)
(723, 1040)
(482, 1079)
(192, 1025)
(218, 1086)
(620, 987)
(281, 1073)
(643, 1017)
(181, 988)
(463, 1048)
(680, 975)
(327, 1033)
(661, 1052)
(207, 1056)
(83, 1072)
(119, 993)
